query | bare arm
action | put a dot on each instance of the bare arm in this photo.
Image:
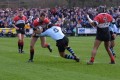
(93, 23)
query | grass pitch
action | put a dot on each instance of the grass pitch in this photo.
(50, 66)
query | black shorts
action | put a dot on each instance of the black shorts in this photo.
(103, 34)
(62, 43)
(21, 29)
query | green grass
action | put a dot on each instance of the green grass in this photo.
(50, 66)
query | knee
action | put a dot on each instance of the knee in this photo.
(112, 45)
(20, 40)
(62, 55)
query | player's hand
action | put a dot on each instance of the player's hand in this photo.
(16, 28)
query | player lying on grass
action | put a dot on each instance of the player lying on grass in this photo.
(62, 41)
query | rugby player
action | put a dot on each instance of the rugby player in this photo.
(42, 21)
(113, 33)
(102, 22)
(19, 22)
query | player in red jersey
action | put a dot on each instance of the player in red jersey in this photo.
(102, 21)
(19, 23)
(42, 21)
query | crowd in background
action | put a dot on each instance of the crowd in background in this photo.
(62, 16)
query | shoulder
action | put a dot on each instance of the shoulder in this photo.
(36, 22)
(16, 17)
(46, 20)
(24, 16)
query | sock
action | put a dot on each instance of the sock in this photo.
(19, 47)
(92, 59)
(68, 56)
(46, 44)
(70, 50)
(22, 44)
(31, 54)
(112, 58)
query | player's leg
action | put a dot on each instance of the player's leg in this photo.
(22, 42)
(107, 47)
(32, 43)
(19, 42)
(73, 53)
(62, 53)
(64, 42)
(94, 51)
(112, 44)
(44, 44)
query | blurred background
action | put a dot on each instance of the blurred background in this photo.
(52, 3)
(68, 14)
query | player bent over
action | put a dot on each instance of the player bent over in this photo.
(62, 41)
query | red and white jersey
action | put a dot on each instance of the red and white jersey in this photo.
(20, 20)
(103, 20)
(37, 22)
(54, 32)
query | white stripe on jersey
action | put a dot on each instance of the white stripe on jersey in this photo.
(20, 21)
(104, 25)
(54, 32)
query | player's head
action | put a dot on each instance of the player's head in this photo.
(101, 9)
(42, 16)
(50, 25)
(20, 12)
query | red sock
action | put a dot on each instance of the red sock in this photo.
(92, 59)
(46, 44)
(19, 45)
(31, 54)
(112, 58)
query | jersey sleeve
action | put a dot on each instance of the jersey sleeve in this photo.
(110, 18)
(97, 19)
(15, 18)
(46, 21)
(35, 23)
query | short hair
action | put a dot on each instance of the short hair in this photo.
(42, 14)
(50, 25)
